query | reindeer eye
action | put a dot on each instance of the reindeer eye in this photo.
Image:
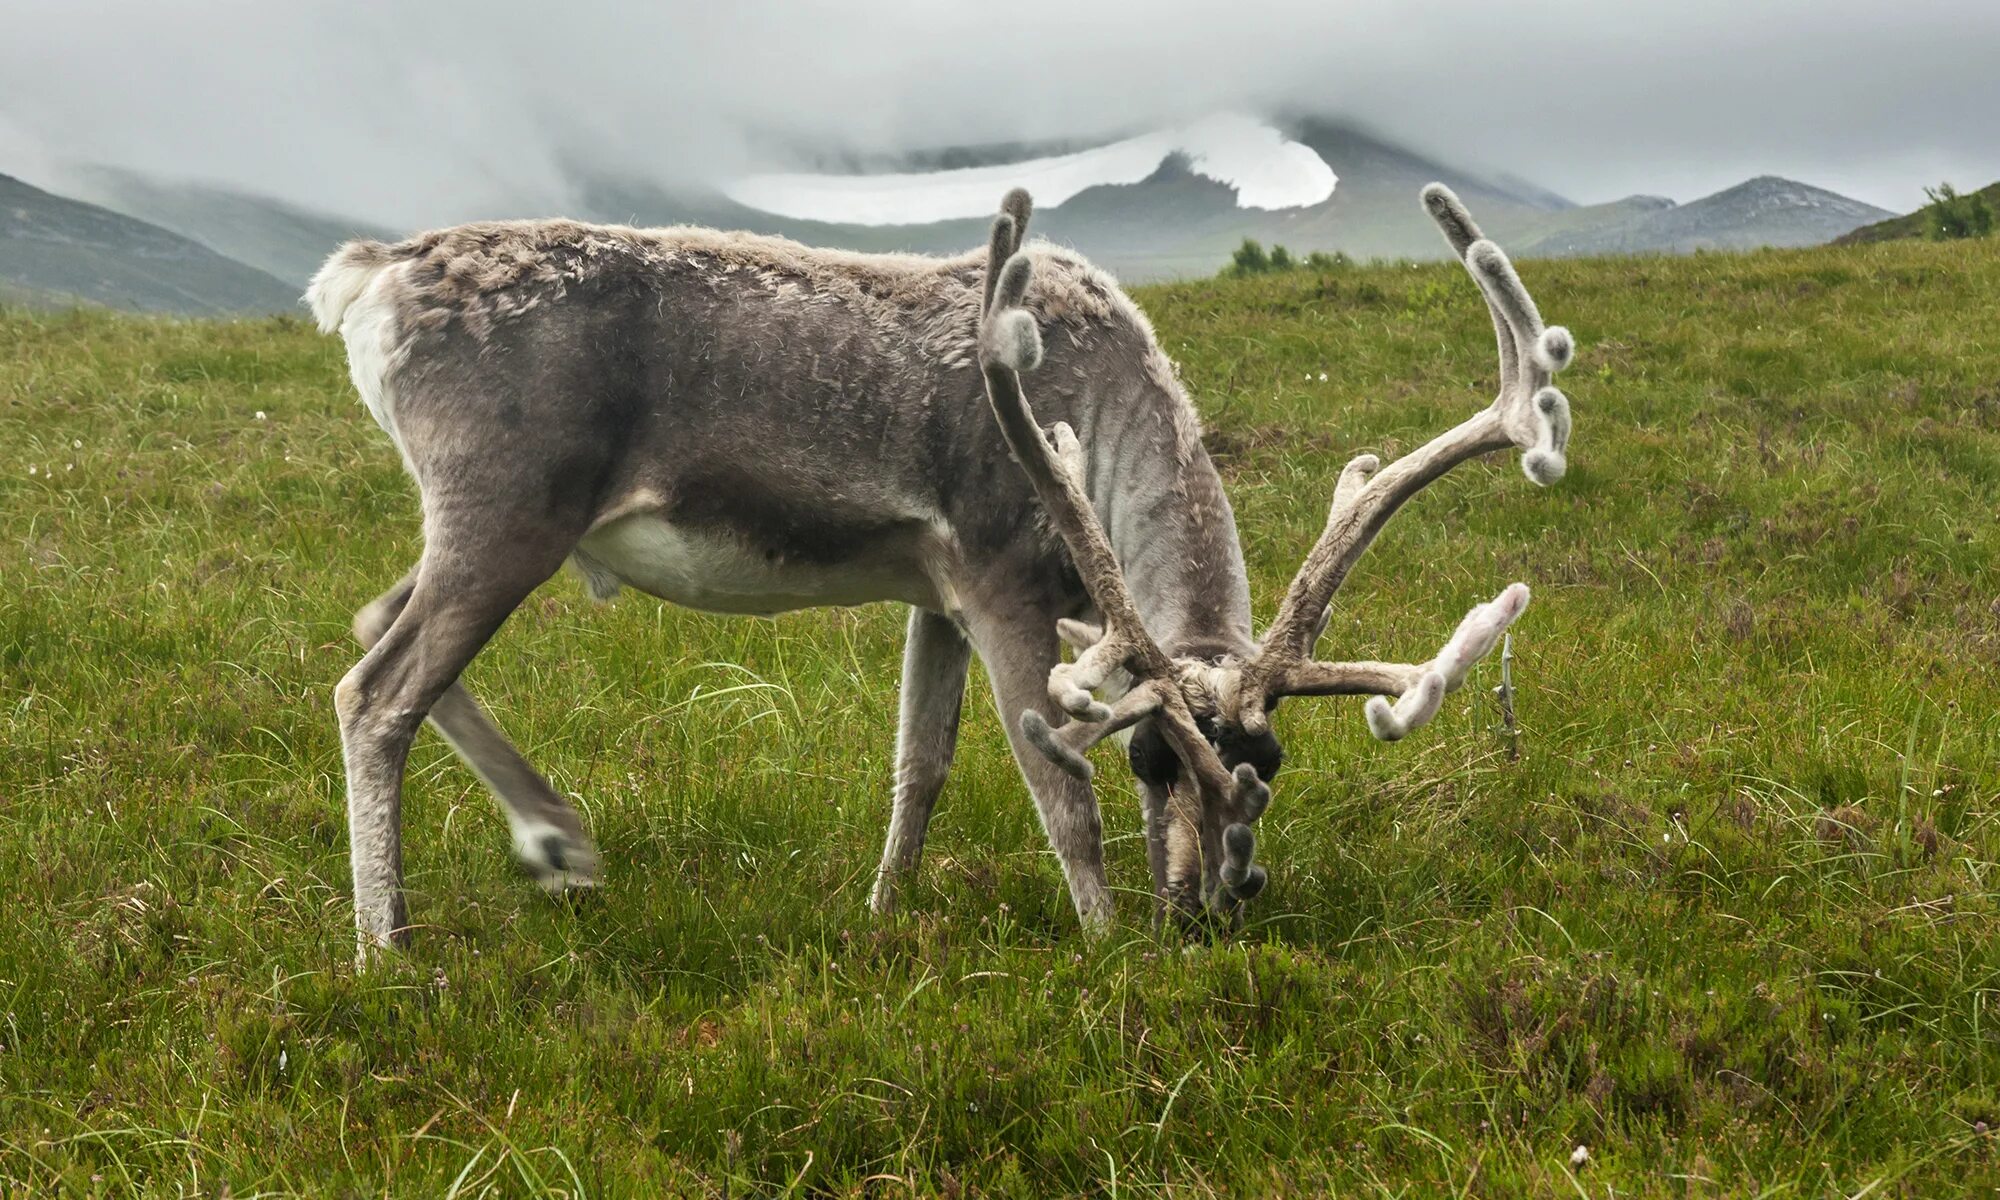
(1153, 760)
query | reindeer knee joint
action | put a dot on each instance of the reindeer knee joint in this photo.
(349, 698)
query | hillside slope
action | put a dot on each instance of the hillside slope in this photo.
(1731, 921)
(1909, 225)
(54, 245)
(280, 239)
(1374, 212)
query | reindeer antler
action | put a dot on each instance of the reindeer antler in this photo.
(1009, 344)
(1528, 413)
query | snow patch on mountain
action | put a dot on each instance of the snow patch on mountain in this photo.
(1267, 169)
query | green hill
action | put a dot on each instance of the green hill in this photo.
(1909, 225)
(50, 244)
(1731, 922)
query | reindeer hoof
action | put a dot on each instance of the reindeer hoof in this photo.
(378, 935)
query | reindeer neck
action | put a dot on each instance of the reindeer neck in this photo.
(1171, 526)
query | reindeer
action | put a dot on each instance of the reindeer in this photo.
(746, 425)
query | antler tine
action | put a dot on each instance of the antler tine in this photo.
(1460, 232)
(1005, 238)
(1528, 413)
(1066, 747)
(1517, 323)
(1534, 415)
(1452, 217)
(1476, 635)
(1242, 879)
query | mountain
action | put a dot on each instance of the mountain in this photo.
(1765, 211)
(1190, 212)
(1909, 225)
(1178, 220)
(77, 251)
(1153, 205)
(1374, 213)
(1548, 234)
(276, 237)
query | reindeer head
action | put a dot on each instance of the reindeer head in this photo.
(1213, 715)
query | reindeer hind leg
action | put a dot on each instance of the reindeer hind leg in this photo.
(549, 837)
(475, 571)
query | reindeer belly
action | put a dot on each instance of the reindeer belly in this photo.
(719, 570)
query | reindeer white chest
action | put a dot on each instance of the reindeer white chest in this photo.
(718, 571)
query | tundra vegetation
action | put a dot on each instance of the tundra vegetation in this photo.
(1728, 921)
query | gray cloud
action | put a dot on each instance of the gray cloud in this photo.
(425, 112)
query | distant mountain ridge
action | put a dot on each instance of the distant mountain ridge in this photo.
(60, 250)
(1172, 223)
(1760, 212)
(205, 249)
(1177, 223)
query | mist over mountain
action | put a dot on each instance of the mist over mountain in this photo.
(425, 114)
(1172, 214)
(1173, 202)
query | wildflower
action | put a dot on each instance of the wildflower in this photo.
(1322, 376)
(1579, 1156)
(260, 414)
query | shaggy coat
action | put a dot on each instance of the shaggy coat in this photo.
(744, 424)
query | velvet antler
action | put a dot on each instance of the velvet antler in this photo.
(1528, 413)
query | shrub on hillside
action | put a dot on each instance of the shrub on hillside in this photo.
(1952, 215)
(1252, 259)
(1249, 259)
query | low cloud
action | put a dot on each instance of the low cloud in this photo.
(425, 112)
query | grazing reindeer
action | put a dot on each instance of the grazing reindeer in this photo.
(1205, 755)
(743, 424)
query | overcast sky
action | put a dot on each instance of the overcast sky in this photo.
(419, 112)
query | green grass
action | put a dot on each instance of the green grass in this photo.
(1729, 922)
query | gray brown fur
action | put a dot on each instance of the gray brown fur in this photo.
(562, 391)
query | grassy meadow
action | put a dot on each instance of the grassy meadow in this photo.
(1729, 922)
